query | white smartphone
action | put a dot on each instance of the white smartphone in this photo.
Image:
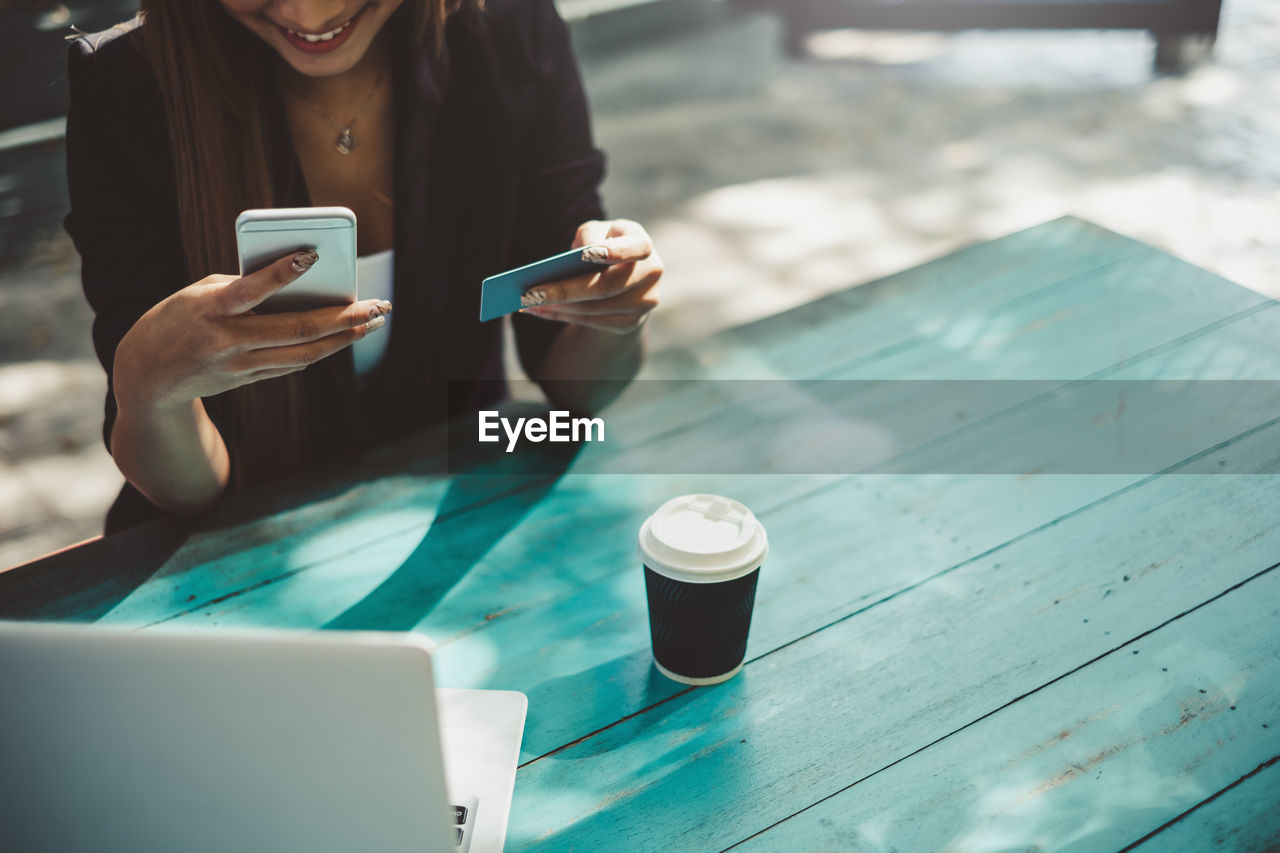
(263, 236)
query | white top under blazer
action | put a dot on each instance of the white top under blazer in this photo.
(374, 281)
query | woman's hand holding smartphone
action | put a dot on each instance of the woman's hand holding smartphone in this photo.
(206, 339)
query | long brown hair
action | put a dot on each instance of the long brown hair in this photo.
(217, 82)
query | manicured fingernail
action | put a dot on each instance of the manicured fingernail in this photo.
(376, 323)
(303, 260)
(379, 308)
(532, 298)
(596, 254)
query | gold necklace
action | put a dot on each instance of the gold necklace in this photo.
(346, 141)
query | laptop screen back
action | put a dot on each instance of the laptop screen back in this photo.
(153, 741)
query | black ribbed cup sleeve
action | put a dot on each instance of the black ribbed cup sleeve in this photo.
(699, 630)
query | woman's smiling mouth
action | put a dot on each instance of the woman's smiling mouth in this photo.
(321, 42)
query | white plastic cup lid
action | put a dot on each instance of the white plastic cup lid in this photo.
(702, 539)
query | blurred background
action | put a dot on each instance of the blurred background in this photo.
(777, 150)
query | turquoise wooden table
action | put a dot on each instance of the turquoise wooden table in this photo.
(937, 661)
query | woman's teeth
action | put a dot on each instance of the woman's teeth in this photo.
(323, 36)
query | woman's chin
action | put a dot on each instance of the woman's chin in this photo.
(328, 67)
(320, 66)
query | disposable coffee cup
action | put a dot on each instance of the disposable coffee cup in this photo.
(702, 556)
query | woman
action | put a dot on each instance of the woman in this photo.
(457, 132)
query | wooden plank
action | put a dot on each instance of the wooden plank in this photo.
(902, 672)
(1242, 348)
(1106, 427)
(1244, 817)
(1119, 312)
(968, 427)
(1094, 760)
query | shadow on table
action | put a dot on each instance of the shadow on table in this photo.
(479, 508)
(85, 583)
(62, 588)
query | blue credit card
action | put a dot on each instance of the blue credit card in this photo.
(500, 294)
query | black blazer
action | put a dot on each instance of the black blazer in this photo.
(494, 167)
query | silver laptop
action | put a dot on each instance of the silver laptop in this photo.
(115, 740)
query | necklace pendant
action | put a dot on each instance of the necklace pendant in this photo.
(346, 142)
